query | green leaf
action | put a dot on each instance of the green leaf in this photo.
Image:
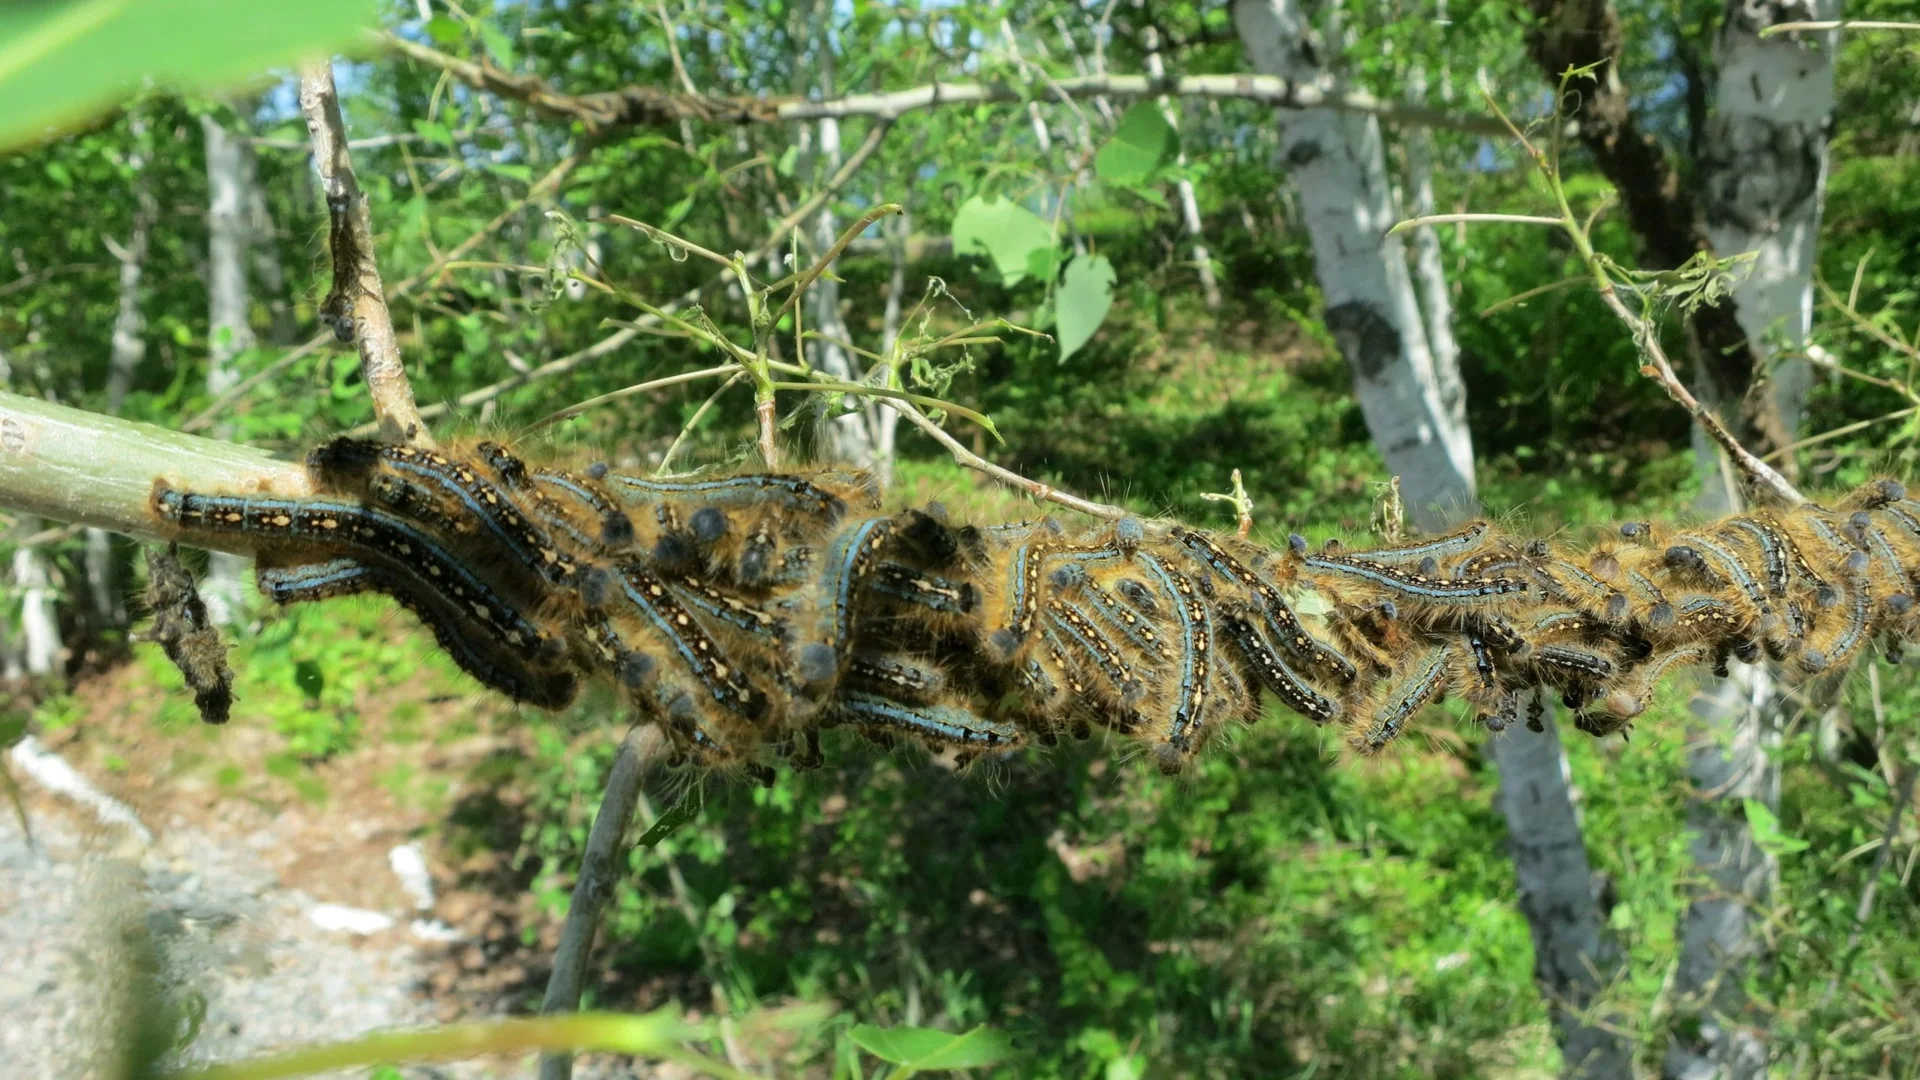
(1767, 833)
(1142, 144)
(445, 30)
(920, 1049)
(1083, 300)
(1005, 232)
(309, 678)
(433, 131)
(499, 46)
(682, 812)
(61, 61)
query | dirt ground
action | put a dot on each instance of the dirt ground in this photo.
(243, 851)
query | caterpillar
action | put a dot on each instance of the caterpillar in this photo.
(746, 613)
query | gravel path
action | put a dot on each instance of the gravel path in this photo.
(223, 927)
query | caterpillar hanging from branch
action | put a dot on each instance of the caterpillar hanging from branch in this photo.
(744, 614)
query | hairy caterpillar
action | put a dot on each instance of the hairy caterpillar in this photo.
(745, 613)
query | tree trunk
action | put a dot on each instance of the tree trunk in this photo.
(1339, 168)
(1573, 957)
(39, 622)
(1189, 205)
(229, 331)
(1763, 169)
(264, 249)
(896, 232)
(849, 434)
(128, 349)
(1429, 270)
(1418, 419)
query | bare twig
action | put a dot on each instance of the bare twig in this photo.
(625, 392)
(1836, 24)
(1654, 362)
(971, 460)
(357, 304)
(540, 189)
(614, 342)
(686, 429)
(643, 745)
(647, 106)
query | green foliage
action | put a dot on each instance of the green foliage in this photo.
(62, 58)
(1014, 239)
(1086, 295)
(1275, 915)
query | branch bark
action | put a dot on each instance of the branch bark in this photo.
(646, 106)
(357, 304)
(98, 470)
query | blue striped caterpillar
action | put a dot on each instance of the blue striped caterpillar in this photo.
(746, 614)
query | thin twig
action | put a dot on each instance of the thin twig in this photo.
(613, 342)
(544, 185)
(1655, 364)
(357, 295)
(642, 746)
(572, 411)
(666, 459)
(647, 106)
(971, 460)
(1837, 24)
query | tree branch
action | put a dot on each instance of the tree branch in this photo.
(643, 746)
(357, 304)
(645, 106)
(98, 470)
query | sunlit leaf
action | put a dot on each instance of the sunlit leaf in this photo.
(1006, 232)
(1086, 294)
(1142, 145)
(925, 1048)
(60, 61)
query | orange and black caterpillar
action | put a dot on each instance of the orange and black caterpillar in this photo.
(746, 613)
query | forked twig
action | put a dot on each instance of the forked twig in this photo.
(356, 306)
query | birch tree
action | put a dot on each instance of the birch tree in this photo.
(1416, 413)
(1337, 164)
(1763, 165)
(128, 349)
(229, 332)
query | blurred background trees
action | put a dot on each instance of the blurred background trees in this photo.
(1219, 291)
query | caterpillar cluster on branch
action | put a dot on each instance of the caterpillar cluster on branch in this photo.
(745, 614)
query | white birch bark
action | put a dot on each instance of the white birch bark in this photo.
(1765, 172)
(1418, 418)
(848, 434)
(1189, 205)
(887, 433)
(1573, 956)
(268, 272)
(36, 649)
(1429, 270)
(128, 349)
(39, 621)
(1763, 167)
(1338, 166)
(229, 331)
